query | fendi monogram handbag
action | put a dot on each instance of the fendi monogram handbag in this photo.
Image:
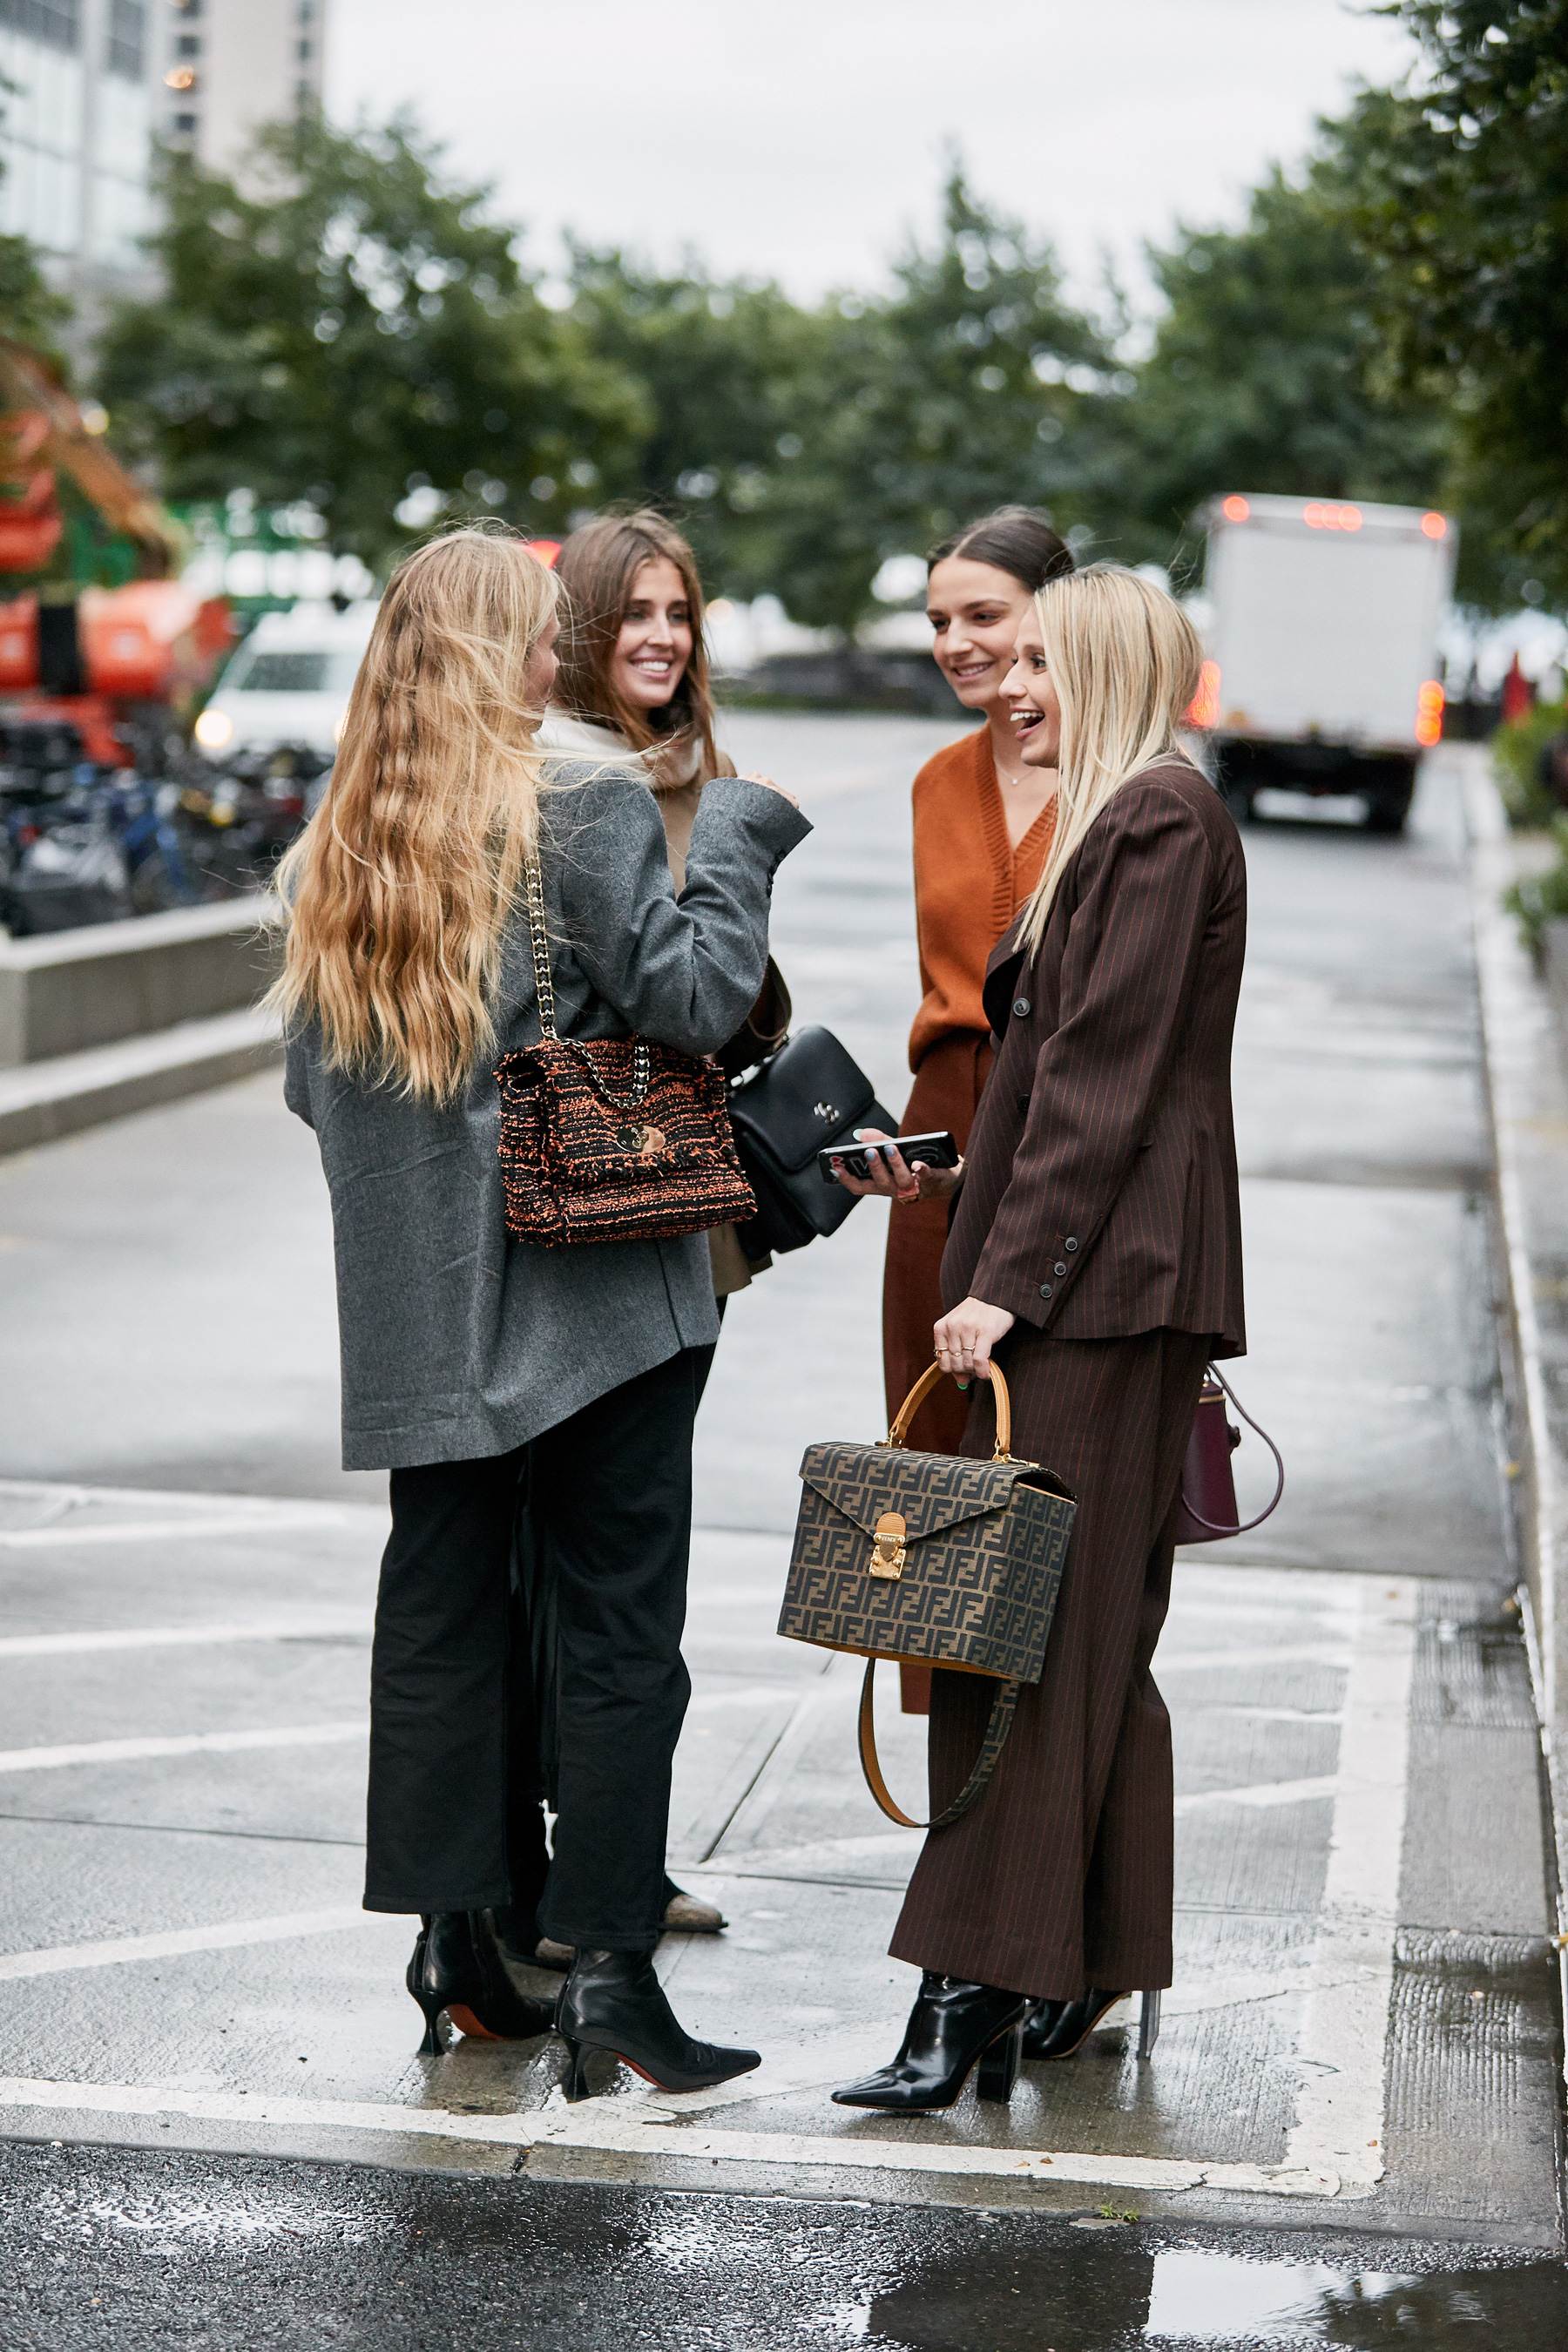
(612, 1141)
(938, 1557)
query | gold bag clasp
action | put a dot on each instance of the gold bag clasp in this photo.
(888, 1547)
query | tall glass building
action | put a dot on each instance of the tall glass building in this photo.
(88, 86)
(76, 123)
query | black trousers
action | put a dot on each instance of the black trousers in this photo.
(454, 1819)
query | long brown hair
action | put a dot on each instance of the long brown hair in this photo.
(1124, 659)
(598, 567)
(401, 886)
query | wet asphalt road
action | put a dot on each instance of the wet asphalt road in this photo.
(109, 2248)
(180, 1337)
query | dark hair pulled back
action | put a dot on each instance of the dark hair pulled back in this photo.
(1018, 540)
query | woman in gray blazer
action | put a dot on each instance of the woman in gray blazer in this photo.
(408, 975)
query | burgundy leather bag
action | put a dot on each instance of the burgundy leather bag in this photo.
(1208, 1510)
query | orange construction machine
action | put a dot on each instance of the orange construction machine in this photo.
(110, 662)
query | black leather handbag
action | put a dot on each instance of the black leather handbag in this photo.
(811, 1094)
(937, 1556)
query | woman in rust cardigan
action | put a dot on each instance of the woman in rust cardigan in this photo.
(1096, 1247)
(983, 819)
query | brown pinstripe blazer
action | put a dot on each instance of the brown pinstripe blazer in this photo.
(1101, 1198)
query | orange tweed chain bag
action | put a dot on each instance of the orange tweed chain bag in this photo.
(614, 1141)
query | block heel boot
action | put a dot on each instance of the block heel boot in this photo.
(614, 2002)
(1059, 2029)
(954, 2026)
(998, 2068)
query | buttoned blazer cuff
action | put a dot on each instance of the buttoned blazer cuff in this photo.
(1018, 1291)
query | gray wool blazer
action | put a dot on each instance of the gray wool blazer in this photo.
(458, 1342)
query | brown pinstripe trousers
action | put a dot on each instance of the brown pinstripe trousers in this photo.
(1060, 1876)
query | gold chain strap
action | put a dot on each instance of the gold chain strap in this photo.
(539, 936)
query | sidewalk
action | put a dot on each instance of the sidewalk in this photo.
(1325, 1725)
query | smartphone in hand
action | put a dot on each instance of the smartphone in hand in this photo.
(939, 1150)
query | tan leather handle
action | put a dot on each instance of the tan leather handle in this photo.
(1003, 1451)
(991, 1747)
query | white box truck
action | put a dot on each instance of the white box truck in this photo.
(1322, 673)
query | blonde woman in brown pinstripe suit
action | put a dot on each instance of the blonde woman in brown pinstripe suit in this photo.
(1096, 1246)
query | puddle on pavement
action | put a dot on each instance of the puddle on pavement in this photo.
(1120, 2297)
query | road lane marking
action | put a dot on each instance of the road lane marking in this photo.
(653, 2127)
(259, 1510)
(224, 1936)
(1339, 2122)
(1262, 1793)
(171, 1637)
(192, 1743)
(1325, 1652)
(62, 1536)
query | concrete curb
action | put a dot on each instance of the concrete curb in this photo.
(1527, 1077)
(43, 1102)
(70, 991)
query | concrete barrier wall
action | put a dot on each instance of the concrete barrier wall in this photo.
(75, 989)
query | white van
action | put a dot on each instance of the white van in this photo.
(1324, 674)
(288, 683)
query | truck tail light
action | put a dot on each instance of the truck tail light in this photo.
(1236, 508)
(1320, 514)
(1434, 525)
(1203, 709)
(1429, 713)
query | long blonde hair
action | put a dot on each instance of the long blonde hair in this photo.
(1124, 659)
(401, 886)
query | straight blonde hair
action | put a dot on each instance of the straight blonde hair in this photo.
(1124, 659)
(400, 888)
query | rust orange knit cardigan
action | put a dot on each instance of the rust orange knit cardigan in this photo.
(969, 884)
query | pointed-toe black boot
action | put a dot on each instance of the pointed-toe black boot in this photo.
(459, 1970)
(952, 2024)
(507, 2010)
(1071, 2026)
(443, 1970)
(614, 2000)
(1041, 2026)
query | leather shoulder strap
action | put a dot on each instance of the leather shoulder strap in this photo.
(991, 1748)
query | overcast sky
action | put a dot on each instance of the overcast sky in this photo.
(801, 139)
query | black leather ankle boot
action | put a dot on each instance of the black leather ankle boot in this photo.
(1061, 2027)
(509, 2009)
(951, 2024)
(614, 2000)
(456, 1966)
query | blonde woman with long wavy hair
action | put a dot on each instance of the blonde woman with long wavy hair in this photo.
(1095, 1254)
(470, 1360)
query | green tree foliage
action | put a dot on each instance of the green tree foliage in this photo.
(1462, 206)
(972, 382)
(356, 329)
(30, 311)
(1392, 323)
(720, 366)
(801, 446)
(1268, 372)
